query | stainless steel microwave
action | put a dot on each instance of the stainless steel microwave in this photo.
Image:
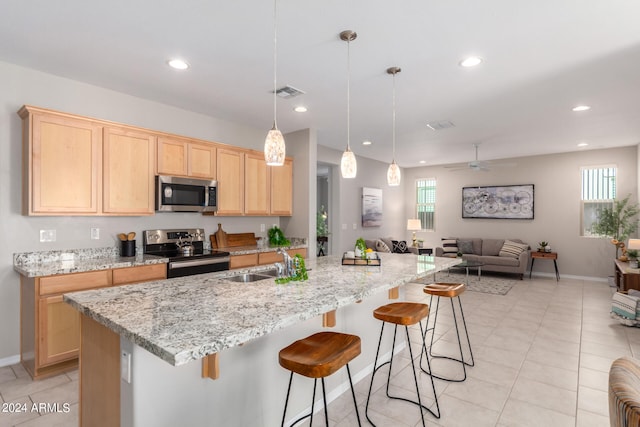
(176, 194)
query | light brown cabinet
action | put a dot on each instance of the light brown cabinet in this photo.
(50, 328)
(271, 257)
(184, 157)
(61, 164)
(230, 167)
(128, 178)
(257, 184)
(282, 189)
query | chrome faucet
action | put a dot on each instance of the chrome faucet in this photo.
(289, 269)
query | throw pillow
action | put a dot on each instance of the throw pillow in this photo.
(624, 305)
(382, 246)
(449, 246)
(399, 247)
(465, 246)
(512, 249)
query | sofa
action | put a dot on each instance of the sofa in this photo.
(499, 255)
(391, 244)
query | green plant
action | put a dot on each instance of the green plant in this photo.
(322, 228)
(276, 237)
(543, 244)
(300, 274)
(618, 222)
(362, 246)
(632, 253)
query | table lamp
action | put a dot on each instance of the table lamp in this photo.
(415, 225)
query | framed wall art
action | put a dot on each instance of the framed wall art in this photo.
(371, 207)
(499, 202)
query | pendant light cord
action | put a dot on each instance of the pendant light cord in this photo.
(275, 59)
(348, 93)
(393, 121)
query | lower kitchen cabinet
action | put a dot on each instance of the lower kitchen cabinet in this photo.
(262, 258)
(239, 261)
(50, 328)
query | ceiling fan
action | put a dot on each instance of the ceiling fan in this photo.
(479, 165)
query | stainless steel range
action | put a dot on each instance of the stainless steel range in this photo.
(185, 250)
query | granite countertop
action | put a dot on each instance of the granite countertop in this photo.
(247, 250)
(187, 318)
(39, 264)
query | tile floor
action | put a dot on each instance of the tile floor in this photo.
(542, 355)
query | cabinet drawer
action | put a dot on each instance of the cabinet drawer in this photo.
(239, 261)
(143, 273)
(74, 282)
(271, 257)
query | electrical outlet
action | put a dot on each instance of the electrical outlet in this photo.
(125, 366)
(262, 227)
(355, 226)
(47, 235)
(344, 226)
(95, 234)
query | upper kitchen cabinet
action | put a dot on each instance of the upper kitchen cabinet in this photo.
(230, 176)
(257, 184)
(62, 164)
(282, 189)
(188, 158)
(128, 177)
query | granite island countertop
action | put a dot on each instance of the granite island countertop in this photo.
(187, 318)
(49, 263)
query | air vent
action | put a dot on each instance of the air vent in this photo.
(288, 92)
(440, 125)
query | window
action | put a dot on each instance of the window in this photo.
(426, 202)
(598, 192)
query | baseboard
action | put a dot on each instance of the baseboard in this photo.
(11, 360)
(570, 276)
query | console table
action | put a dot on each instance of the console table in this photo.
(626, 279)
(545, 255)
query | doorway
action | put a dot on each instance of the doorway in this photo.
(323, 219)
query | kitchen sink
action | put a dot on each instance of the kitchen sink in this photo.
(250, 277)
(270, 273)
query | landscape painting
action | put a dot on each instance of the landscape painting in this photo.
(371, 207)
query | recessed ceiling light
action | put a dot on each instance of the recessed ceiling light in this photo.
(300, 109)
(583, 144)
(423, 162)
(471, 61)
(581, 108)
(366, 142)
(178, 64)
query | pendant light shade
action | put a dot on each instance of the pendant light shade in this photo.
(348, 165)
(394, 176)
(274, 146)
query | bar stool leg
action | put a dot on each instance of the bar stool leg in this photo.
(462, 360)
(415, 376)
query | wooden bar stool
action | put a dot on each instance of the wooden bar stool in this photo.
(403, 314)
(318, 356)
(451, 291)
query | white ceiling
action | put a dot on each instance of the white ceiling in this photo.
(541, 58)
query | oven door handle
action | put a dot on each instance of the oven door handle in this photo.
(195, 263)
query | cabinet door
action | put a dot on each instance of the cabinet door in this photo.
(172, 157)
(256, 185)
(282, 189)
(230, 171)
(128, 180)
(59, 326)
(202, 161)
(64, 166)
(143, 273)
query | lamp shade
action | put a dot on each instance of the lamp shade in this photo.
(348, 165)
(634, 244)
(274, 148)
(394, 174)
(414, 225)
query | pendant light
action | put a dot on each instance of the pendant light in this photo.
(274, 146)
(348, 166)
(393, 173)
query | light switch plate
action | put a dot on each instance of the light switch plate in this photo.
(125, 366)
(95, 234)
(47, 235)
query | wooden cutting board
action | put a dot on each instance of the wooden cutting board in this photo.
(241, 239)
(221, 237)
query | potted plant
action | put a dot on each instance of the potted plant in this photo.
(618, 222)
(542, 246)
(361, 248)
(632, 254)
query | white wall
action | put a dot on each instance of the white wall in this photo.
(557, 184)
(21, 233)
